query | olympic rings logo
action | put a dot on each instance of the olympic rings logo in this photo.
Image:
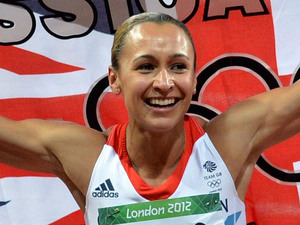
(214, 183)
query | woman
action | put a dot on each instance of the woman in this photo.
(162, 166)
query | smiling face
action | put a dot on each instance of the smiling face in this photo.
(156, 75)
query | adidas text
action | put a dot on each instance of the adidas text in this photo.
(105, 194)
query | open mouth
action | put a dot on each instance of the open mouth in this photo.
(161, 103)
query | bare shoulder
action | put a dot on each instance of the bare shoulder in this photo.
(73, 143)
(246, 129)
(75, 147)
(201, 121)
(62, 136)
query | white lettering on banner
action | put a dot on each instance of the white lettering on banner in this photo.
(68, 20)
(120, 13)
(156, 6)
(218, 9)
(75, 20)
(297, 168)
(179, 207)
(17, 23)
(172, 208)
(151, 211)
(163, 209)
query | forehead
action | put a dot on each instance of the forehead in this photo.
(161, 36)
(156, 29)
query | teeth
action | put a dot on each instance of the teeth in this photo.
(162, 102)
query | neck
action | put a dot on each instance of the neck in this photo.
(155, 155)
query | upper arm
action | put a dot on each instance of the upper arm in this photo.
(46, 146)
(281, 118)
(64, 149)
(21, 145)
(246, 129)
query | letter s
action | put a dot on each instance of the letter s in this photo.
(180, 9)
(17, 23)
(72, 18)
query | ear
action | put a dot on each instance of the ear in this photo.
(113, 79)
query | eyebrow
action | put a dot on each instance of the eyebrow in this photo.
(147, 56)
(179, 55)
(144, 57)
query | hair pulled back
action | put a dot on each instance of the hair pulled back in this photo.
(131, 22)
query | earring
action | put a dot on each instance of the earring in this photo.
(194, 90)
(117, 90)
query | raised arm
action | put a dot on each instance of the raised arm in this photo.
(249, 127)
(64, 149)
(22, 145)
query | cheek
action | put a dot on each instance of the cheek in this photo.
(134, 88)
(186, 84)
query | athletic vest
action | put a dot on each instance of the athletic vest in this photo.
(199, 192)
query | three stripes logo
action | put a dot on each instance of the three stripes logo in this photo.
(105, 190)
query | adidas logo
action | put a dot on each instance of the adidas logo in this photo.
(105, 190)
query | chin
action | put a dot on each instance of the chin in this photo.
(163, 124)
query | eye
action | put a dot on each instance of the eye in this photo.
(178, 67)
(146, 68)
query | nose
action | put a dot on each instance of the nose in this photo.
(163, 81)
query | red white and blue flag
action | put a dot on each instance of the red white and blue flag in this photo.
(54, 56)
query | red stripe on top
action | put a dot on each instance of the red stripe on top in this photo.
(24, 62)
(75, 218)
(117, 140)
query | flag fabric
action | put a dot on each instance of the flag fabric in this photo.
(54, 58)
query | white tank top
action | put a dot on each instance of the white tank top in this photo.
(199, 192)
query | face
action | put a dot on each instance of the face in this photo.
(156, 76)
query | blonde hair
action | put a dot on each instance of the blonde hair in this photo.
(131, 22)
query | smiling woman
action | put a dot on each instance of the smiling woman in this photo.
(153, 63)
(162, 166)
